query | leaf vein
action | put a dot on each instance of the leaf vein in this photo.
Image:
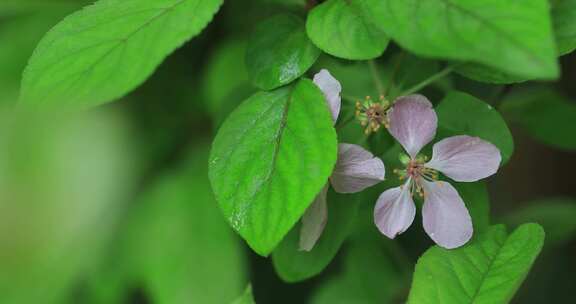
(123, 41)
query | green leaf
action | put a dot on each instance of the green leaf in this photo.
(279, 52)
(488, 270)
(177, 244)
(226, 82)
(246, 298)
(516, 37)
(340, 29)
(556, 215)
(475, 196)
(369, 276)
(563, 16)
(486, 74)
(293, 265)
(463, 114)
(269, 160)
(544, 114)
(104, 51)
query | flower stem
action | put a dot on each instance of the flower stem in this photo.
(376, 77)
(447, 70)
(395, 70)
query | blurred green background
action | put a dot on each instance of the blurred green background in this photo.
(114, 205)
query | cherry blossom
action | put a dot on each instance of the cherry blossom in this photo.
(462, 158)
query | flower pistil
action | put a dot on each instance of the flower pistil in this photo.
(416, 171)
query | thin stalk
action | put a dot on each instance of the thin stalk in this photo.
(393, 74)
(430, 80)
(376, 77)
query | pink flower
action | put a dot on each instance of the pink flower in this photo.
(356, 169)
(462, 158)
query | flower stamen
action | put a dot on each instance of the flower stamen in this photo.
(372, 115)
(417, 173)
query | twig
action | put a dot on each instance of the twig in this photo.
(430, 80)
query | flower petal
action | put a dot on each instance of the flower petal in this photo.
(356, 169)
(314, 221)
(394, 211)
(331, 89)
(446, 219)
(464, 158)
(413, 122)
